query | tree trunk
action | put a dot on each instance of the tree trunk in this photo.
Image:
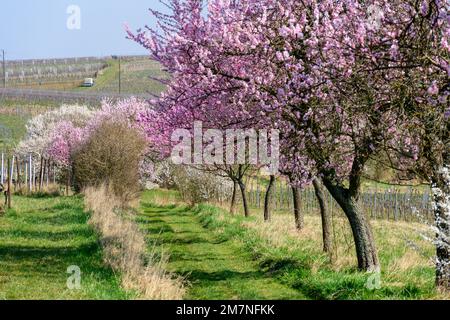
(68, 183)
(268, 197)
(244, 198)
(19, 183)
(233, 198)
(299, 218)
(441, 198)
(326, 219)
(366, 251)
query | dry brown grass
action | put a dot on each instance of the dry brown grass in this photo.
(125, 249)
(49, 190)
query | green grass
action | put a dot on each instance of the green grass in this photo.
(220, 256)
(14, 115)
(195, 237)
(216, 267)
(308, 270)
(12, 129)
(134, 77)
(39, 239)
(105, 80)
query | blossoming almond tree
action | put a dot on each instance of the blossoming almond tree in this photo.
(267, 56)
(324, 72)
(423, 93)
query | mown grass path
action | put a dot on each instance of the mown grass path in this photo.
(215, 268)
(39, 239)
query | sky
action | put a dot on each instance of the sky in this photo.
(39, 29)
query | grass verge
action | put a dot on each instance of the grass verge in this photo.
(295, 259)
(40, 239)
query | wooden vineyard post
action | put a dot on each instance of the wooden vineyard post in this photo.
(26, 175)
(2, 179)
(30, 173)
(19, 184)
(8, 193)
(47, 172)
(11, 171)
(257, 195)
(54, 173)
(41, 174)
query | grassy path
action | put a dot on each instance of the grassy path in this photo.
(215, 268)
(39, 240)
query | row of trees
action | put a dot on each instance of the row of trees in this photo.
(343, 86)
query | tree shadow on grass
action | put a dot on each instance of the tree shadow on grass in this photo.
(228, 275)
(44, 195)
(56, 220)
(166, 210)
(35, 252)
(153, 206)
(43, 261)
(48, 235)
(184, 241)
(157, 230)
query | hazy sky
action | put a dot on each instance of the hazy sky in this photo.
(38, 28)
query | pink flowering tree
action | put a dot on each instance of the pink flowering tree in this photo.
(262, 62)
(422, 92)
(326, 73)
(65, 139)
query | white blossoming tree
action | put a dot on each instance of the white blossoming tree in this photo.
(40, 128)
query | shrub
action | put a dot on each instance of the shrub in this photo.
(197, 186)
(164, 174)
(112, 155)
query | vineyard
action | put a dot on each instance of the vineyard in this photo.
(36, 73)
(409, 204)
(132, 75)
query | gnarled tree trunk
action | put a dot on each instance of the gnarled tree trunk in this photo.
(268, 197)
(234, 197)
(299, 218)
(326, 218)
(366, 251)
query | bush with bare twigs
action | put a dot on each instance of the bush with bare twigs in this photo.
(111, 156)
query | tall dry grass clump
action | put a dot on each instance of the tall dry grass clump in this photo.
(125, 249)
